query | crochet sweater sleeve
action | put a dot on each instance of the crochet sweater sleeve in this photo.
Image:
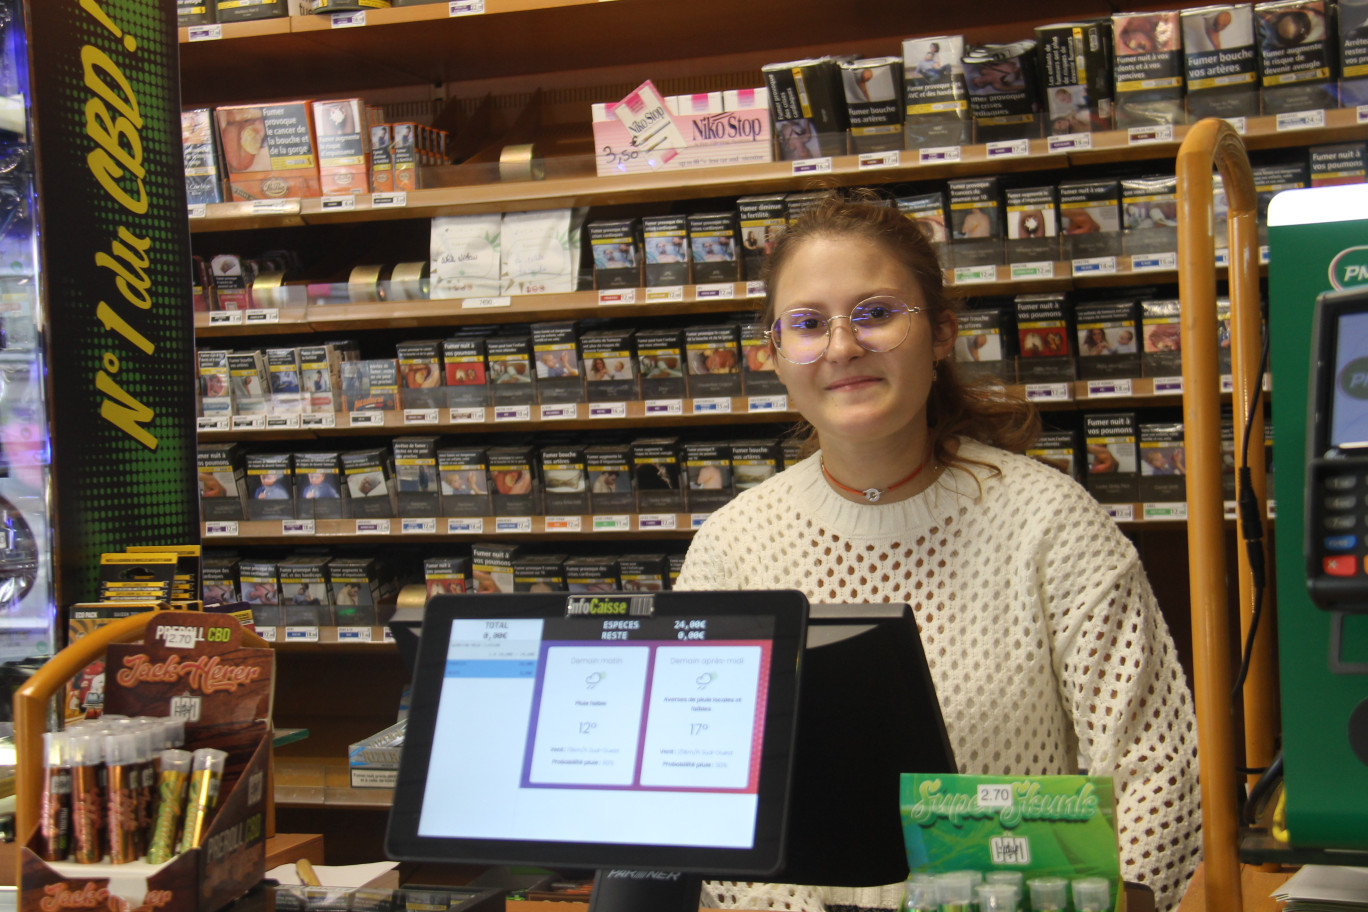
(1044, 639)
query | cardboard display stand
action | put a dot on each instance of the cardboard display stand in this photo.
(201, 668)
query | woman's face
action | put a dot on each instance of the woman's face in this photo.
(850, 394)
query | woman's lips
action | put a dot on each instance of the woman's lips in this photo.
(851, 383)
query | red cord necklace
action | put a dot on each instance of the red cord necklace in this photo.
(871, 494)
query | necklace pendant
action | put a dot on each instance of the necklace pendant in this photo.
(873, 494)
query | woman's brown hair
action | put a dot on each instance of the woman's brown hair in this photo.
(982, 411)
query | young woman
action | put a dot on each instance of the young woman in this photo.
(1044, 639)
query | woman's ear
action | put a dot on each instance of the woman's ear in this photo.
(944, 333)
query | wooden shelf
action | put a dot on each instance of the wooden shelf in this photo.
(619, 527)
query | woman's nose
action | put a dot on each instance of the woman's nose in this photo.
(841, 342)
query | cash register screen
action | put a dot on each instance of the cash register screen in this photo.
(634, 730)
(1349, 408)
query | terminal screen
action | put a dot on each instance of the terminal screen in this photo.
(1349, 412)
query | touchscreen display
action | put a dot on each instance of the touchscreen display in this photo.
(1349, 412)
(644, 731)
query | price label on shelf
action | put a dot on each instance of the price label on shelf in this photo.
(205, 32)
(719, 291)
(349, 20)
(1040, 270)
(301, 634)
(374, 418)
(1150, 262)
(197, 210)
(940, 155)
(812, 166)
(1120, 512)
(1168, 386)
(1158, 133)
(665, 295)
(1237, 124)
(1223, 257)
(975, 275)
(874, 161)
(338, 203)
(696, 520)
(1362, 114)
(1095, 266)
(1301, 120)
(267, 633)
(621, 523)
(1010, 148)
(297, 527)
(1102, 389)
(607, 410)
(221, 527)
(465, 8)
(486, 303)
(288, 206)
(282, 422)
(396, 200)
(417, 527)
(995, 796)
(716, 405)
(466, 526)
(178, 637)
(755, 288)
(564, 411)
(475, 415)
(372, 527)
(318, 420)
(1227, 383)
(608, 298)
(1162, 511)
(225, 318)
(1049, 392)
(512, 524)
(657, 408)
(657, 522)
(512, 413)
(1070, 142)
(563, 524)
(420, 416)
(212, 423)
(249, 422)
(767, 404)
(1263, 254)
(264, 315)
(354, 635)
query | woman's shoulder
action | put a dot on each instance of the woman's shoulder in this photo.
(1016, 475)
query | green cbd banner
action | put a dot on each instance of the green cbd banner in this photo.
(115, 262)
(1318, 242)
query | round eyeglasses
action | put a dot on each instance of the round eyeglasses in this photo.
(879, 324)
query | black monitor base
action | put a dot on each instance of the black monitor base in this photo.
(621, 890)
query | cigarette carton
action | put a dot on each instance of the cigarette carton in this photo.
(657, 472)
(565, 480)
(370, 483)
(463, 358)
(1220, 61)
(660, 354)
(712, 239)
(1149, 69)
(343, 153)
(1001, 79)
(416, 476)
(976, 222)
(643, 572)
(937, 101)
(203, 179)
(1059, 450)
(666, 241)
(1163, 353)
(808, 107)
(1163, 463)
(1149, 215)
(714, 359)
(421, 374)
(516, 490)
(1076, 68)
(592, 574)
(447, 575)
(539, 573)
(983, 348)
(1108, 340)
(762, 219)
(491, 565)
(1296, 55)
(1090, 218)
(1032, 224)
(511, 378)
(616, 253)
(754, 461)
(270, 487)
(320, 492)
(758, 374)
(610, 365)
(557, 363)
(708, 474)
(222, 481)
(1113, 456)
(873, 94)
(1046, 349)
(269, 150)
(609, 468)
(464, 481)
(928, 211)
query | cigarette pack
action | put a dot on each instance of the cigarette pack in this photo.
(708, 472)
(464, 362)
(1352, 32)
(222, 481)
(592, 574)
(304, 595)
(557, 363)
(656, 469)
(676, 563)
(984, 347)
(660, 353)
(1002, 82)
(1108, 340)
(215, 382)
(1076, 71)
(666, 240)
(539, 573)
(1113, 457)
(269, 150)
(447, 575)
(240, 10)
(203, 173)
(937, 101)
(283, 370)
(491, 564)
(609, 468)
(369, 386)
(609, 358)
(416, 478)
(873, 94)
(807, 103)
(343, 140)
(319, 490)
(1045, 340)
(1338, 163)
(1270, 180)
(464, 475)
(754, 461)
(321, 372)
(232, 282)
(712, 239)
(762, 219)
(1163, 463)
(421, 374)
(714, 359)
(1090, 218)
(404, 156)
(511, 378)
(356, 588)
(975, 222)
(643, 572)
(381, 160)
(1059, 450)
(270, 488)
(1163, 353)
(616, 253)
(565, 480)
(1149, 207)
(221, 580)
(1149, 69)
(1296, 55)
(1220, 61)
(370, 483)
(758, 374)
(928, 211)
(249, 382)
(196, 12)
(516, 489)
(260, 586)
(1032, 224)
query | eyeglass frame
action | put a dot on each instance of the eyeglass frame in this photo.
(908, 309)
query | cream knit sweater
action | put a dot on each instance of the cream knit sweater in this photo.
(1044, 639)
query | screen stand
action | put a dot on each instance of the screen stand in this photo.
(621, 890)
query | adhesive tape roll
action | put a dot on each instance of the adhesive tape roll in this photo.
(413, 595)
(520, 163)
(363, 284)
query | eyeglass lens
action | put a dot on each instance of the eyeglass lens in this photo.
(879, 325)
